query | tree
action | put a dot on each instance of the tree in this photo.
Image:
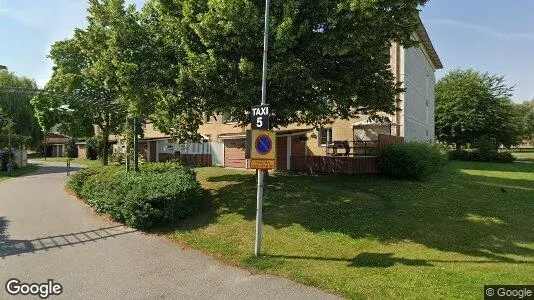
(9, 137)
(526, 116)
(327, 59)
(471, 105)
(85, 85)
(15, 95)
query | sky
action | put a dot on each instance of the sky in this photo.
(494, 36)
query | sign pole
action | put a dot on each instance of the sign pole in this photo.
(259, 196)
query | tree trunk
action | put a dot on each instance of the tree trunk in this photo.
(105, 147)
(458, 146)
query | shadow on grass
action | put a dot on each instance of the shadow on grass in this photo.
(486, 217)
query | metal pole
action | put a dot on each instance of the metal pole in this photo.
(136, 146)
(261, 174)
(126, 149)
(9, 163)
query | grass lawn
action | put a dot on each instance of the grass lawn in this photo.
(524, 156)
(19, 172)
(81, 161)
(370, 237)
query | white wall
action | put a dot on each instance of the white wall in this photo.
(419, 82)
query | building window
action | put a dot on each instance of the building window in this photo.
(227, 119)
(208, 117)
(325, 136)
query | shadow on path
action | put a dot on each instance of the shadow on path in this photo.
(17, 247)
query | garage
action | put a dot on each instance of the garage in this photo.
(234, 153)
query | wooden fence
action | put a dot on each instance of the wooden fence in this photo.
(201, 160)
(385, 140)
(335, 164)
(356, 164)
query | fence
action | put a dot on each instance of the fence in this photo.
(201, 160)
(346, 164)
(335, 164)
(385, 140)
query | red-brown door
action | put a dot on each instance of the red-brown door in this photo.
(281, 153)
(234, 153)
(153, 150)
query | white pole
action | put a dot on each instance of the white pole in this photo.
(259, 196)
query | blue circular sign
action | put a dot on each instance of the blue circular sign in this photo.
(264, 145)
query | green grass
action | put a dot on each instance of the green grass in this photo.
(370, 237)
(524, 156)
(81, 161)
(19, 172)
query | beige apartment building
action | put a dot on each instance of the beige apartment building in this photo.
(414, 120)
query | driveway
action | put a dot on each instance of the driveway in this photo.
(47, 234)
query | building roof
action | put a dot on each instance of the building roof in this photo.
(427, 44)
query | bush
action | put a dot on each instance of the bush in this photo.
(72, 150)
(411, 160)
(154, 196)
(78, 179)
(116, 157)
(478, 156)
(485, 145)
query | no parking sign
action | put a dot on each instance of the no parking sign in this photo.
(262, 149)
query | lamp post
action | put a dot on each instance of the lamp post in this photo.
(261, 173)
(10, 151)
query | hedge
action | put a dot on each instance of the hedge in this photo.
(411, 160)
(155, 196)
(478, 156)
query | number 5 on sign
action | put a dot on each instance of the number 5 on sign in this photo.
(260, 117)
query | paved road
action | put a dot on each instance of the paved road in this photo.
(47, 234)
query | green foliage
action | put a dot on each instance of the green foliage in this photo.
(157, 195)
(210, 55)
(86, 82)
(116, 157)
(15, 97)
(72, 150)
(526, 117)
(482, 156)
(77, 180)
(411, 160)
(486, 145)
(95, 147)
(471, 105)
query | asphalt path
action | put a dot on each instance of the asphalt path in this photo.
(47, 234)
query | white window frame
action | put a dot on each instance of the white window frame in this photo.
(321, 132)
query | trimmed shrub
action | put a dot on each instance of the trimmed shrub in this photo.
(491, 156)
(78, 179)
(502, 157)
(159, 194)
(411, 160)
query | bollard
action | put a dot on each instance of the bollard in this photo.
(68, 167)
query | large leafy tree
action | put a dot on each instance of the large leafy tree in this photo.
(15, 95)
(8, 136)
(327, 59)
(85, 87)
(471, 105)
(526, 116)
